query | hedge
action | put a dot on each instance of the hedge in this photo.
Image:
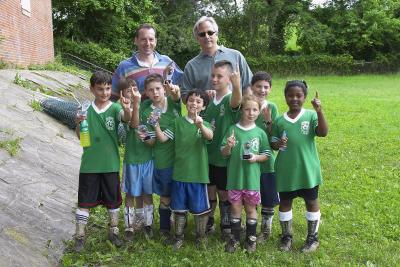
(281, 65)
(91, 52)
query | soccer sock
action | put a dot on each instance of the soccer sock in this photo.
(224, 208)
(82, 218)
(313, 219)
(285, 219)
(139, 214)
(235, 228)
(165, 218)
(251, 227)
(114, 214)
(129, 216)
(148, 215)
(267, 214)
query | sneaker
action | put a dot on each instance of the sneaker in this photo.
(264, 236)
(232, 245)
(210, 229)
(286, 243)
(251, 244)
(201, 243)
(225, 234)
(166, 238)
(128, 236)
(310, 245)
(79, 244)
(178, 243)
(148, 232)
(114, 239)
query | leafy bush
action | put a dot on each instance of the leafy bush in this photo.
(90, 52)
(283, 65)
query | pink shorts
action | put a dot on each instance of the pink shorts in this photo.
(247, 196)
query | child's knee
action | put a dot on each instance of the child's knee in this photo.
(312, 204)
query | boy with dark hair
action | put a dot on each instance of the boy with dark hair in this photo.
(221, 113)
(99, 171)
(161, 113)
(190, 175)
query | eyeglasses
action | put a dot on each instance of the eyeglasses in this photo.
(203, 34)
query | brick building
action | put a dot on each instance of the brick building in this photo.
(26, 32)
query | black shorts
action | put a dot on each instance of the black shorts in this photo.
(99, 189)
(218, 176)
(306, 194)
(269, 195)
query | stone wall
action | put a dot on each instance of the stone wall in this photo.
(26, 34)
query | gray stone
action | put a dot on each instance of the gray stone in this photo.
(38, 186)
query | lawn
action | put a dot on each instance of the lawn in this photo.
(359, 197)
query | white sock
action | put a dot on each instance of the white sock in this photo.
(81, 216)
(314, 216)
(285, 215)
(129, 216)
(148, 216)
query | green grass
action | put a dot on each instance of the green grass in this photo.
(359, 197)
(35, 105)
(12, 146)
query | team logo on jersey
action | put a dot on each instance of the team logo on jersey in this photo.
(110, 124)
(176, 113)
(254, 144)
(198, 133)
(305, 127)
(222, 110)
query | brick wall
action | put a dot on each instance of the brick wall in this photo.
(26, 39)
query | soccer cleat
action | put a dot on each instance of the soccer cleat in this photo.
(79, 244)
(311, 244)
(286, 243)
(148, 232)
(128, 235)
(178, 243)
(225, 234)
(251, 244)
(114, 239)
(232, 245)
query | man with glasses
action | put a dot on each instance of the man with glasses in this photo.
(197, 73)
(144, 61)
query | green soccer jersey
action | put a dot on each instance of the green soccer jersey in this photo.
(268, 166)
(298, 166)
(102, 155)
(221, 116)
(191, 158)
(136, 150)
(241, 173)
(164, 152)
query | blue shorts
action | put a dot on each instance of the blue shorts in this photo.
(191, 197)
(269, 195)
(162, 179)
(137, 178)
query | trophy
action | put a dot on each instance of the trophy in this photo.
(247, 151)
(170, 73)
(84, 108)
(154, 117)
(143, 130)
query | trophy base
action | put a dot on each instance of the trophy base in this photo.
(246, 156)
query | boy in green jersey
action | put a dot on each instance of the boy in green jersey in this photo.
(221, 113)
(261, 85)
(247, 146)
(138, 163)
(99, 171)
(190, 174)
(297, 165)
(161, 114)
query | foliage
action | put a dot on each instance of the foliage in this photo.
(35, 105)
(91, 52)
(59, 65)
(358, 198)
(12, 146)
